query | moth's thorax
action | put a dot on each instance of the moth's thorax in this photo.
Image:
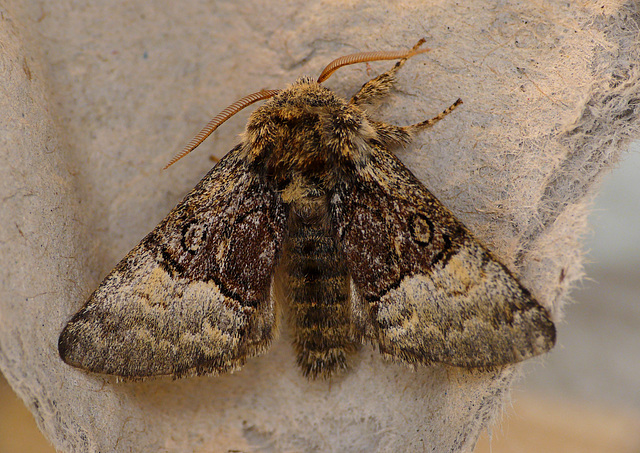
(306, 136)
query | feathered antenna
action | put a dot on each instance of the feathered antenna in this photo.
(364, 57)
(219, 119)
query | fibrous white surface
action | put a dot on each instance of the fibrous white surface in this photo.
(99, 95)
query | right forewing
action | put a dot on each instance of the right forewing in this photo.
(424, 289)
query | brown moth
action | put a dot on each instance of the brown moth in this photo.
(313, 213)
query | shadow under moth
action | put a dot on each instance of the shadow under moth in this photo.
(312, 215)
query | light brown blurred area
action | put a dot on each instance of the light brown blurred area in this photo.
(539, 424)
(18, 430)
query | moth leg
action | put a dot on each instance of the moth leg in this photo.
(379, 86)
(431, 121)
(392, 135)
(376, 88)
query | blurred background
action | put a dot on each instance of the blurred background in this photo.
(585, 396)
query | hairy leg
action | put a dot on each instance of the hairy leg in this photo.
(380, 86)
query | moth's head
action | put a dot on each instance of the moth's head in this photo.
(304, 93)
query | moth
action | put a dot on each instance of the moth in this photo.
(313, 216)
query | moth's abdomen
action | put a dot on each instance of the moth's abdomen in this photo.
(317, 283)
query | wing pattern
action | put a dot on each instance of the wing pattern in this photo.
(194, 297)
(425, 289)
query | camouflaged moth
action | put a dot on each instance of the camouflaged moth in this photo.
(310, 212)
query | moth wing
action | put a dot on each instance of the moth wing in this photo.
(194, 297)
(423, 288)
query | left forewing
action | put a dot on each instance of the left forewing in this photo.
(426, 290)
(194, 297)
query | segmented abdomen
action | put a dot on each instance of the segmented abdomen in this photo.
(317, 282)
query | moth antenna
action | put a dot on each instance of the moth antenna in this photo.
(364, 57)
(219, 119)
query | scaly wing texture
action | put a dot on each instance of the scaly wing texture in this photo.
(194, 297)
(423, 288)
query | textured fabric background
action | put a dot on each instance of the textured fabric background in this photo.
(98, 96)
